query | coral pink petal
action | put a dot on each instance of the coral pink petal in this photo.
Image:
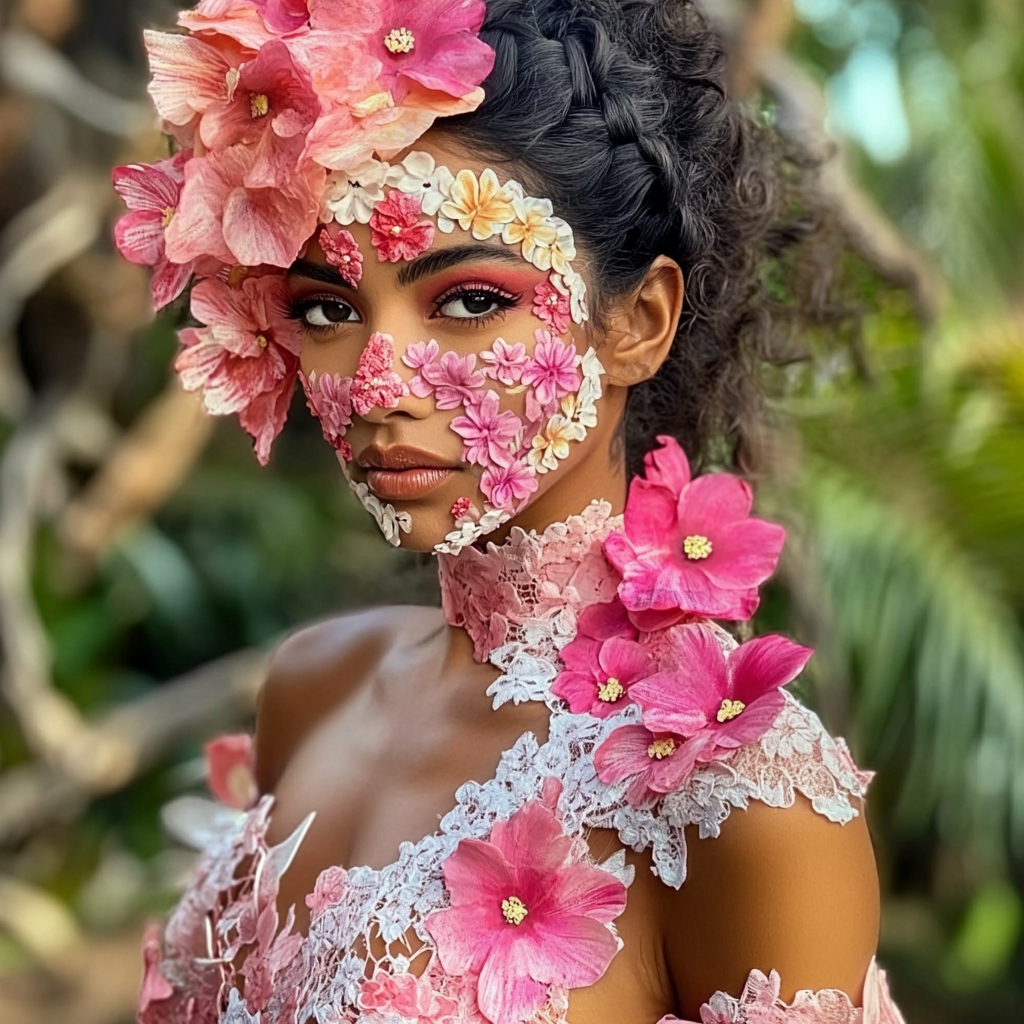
(456, 933)
(745, 553)
(506, 994)
(253, 227)
(650, 515)
(169, 281)
(577, 950)
(146, 187)
(264, 417)
(139, 237)
(583, 891)
(188, 75)
(711, 501)
(623, 754)
(533, 836)
(764, 663)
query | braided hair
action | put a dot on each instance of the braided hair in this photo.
(617, 110)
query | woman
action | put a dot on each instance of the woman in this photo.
(511, 253)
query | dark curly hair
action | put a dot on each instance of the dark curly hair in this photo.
(618, 111)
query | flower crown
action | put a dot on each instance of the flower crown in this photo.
(280, 109)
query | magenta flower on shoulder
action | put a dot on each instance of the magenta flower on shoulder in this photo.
(654, 763)
(342, 252)
(689, 547)
(602, 663)
(376, 385)
(404, 997)
(719, 700)
(245, 360)
(525, 916)
(151, 192)
(486, 431)
(397, 229)
(231, 770)
(551, 306)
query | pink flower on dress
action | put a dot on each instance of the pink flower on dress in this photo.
(487, 432)
(223, 213)
(602, 662)
(654, 764)
(719, 700)
(552, 306)
(524, 916)
(552, 370)
(151, 193)
(376, 385)
(432, 44)
(453, 380)
(404, 997)
(328, 891)
(690, 546)
(231, 770)
(505, 362)
(505, 485)
(272, 108)
(397, 229)
(342, 252)
(245, 360)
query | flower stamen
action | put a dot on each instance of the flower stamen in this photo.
(259, 105)
(513, 910)
(610, 690)
(166, 216)
(730, 709)
(400, 40)
(696, 547)
(660, 749)
(261, 340)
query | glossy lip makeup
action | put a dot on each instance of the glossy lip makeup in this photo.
(403, 473)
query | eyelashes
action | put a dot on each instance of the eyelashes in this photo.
(475, 303)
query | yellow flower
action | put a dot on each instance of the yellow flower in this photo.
(552, 444)
(533, 226)
(480, 206)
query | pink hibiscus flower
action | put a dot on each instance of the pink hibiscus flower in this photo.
(223, 215)
(602, 662)
(434, 44)
(397, 230)
(231, 770)
(487, 432)
(551, 306)
(719, 700)
(524, 916)
(245, 360)
(409, 998)
(376, 385)
(151, 193)
(272, 107)
(552, 370)
(453, 380)
(505, 485)
(342, 251)
(690, 546)
(505, 362)
(654, 764)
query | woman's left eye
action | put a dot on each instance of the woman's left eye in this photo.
(474, 303)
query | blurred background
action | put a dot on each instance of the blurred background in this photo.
(147, 564)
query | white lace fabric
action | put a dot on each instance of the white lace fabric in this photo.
(519, 602)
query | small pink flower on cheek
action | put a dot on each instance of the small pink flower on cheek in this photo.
(342, 251)
(552, 370)
(487, 433)
(397, 230)
(551, 306)
(376, 385)
(505, 485)
(505, 363)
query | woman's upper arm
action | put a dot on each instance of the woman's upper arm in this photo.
(781, 889)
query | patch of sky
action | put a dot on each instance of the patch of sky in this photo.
(866, 103)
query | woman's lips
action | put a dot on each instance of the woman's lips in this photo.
(405, 484)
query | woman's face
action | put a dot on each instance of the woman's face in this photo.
(447, 350)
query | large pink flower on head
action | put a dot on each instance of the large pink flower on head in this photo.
(690, 546)
(245, 360)
(151, 193)
(487, 432)
(273, 107)
(376, 385)
(397, 229)
(719, 700)
(434, 44)
(602, 662)
(524, 917)
(552, 369)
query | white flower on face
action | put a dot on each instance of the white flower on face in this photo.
(552, 443)
(418, 175)
(590, 390)
(557, 254)
(469, 532)
(581, 417)
(392, 524)
(351, 194)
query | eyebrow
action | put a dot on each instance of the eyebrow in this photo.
(319, 272)
(444, 259)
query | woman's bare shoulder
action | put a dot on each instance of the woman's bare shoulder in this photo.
(321, 665)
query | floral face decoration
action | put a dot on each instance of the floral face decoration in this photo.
(286, 114)
(515, 406)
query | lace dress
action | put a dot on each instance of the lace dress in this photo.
(380, 950)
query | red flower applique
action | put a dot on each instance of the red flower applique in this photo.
(342, 251)
(397, 229)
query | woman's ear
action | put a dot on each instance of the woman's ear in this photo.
(641, 326)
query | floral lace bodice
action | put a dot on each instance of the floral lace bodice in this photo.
(379, 947)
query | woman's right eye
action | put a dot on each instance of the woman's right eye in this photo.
(327, 313)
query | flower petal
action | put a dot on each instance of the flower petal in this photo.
(765, 663)
(585, 891)
(576, 951)
(711, 501)
(506, 994)
(532, 836)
